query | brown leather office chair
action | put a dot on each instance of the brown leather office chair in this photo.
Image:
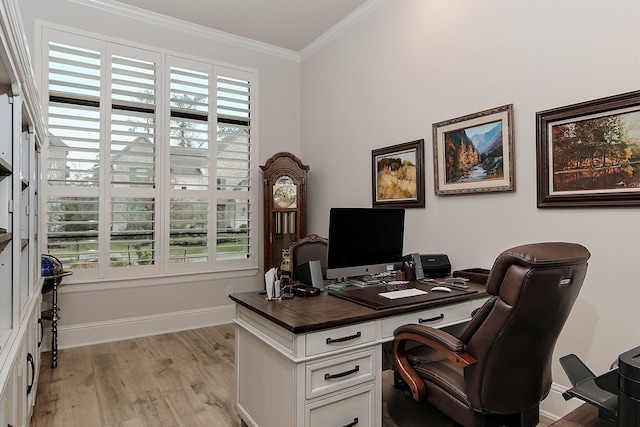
(498, 370)
(309, 248)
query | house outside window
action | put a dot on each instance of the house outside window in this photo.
(149, 165)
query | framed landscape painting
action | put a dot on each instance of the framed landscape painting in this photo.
(474, 153)
(588, 154)
(398, 175)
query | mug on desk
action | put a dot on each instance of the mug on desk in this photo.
(410, 274)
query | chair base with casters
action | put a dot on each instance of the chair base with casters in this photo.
(498, 370)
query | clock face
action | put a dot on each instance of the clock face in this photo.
(285, 193)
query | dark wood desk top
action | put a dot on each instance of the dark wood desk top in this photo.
(301, 315)
(585, 415)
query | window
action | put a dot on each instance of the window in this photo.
(149, 161)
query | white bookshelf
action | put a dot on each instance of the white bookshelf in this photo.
(21, 134)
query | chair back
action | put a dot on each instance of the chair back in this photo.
(309, 248)
(533, 289)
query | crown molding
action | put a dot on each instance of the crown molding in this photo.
(342, 26)
(139, 14)
(136, 13)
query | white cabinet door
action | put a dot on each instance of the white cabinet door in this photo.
(7, 398)
(20, 391)
(34, 339)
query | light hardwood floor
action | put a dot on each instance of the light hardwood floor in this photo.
(178, 379)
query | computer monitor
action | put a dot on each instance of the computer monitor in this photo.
(364, 241)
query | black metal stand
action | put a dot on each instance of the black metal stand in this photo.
(52, 314)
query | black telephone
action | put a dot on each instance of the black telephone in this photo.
(305, 291)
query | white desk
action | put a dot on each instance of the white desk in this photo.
(318, 361)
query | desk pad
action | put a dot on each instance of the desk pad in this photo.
(369, 297)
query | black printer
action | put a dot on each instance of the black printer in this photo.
(616, 393)
(433, 265)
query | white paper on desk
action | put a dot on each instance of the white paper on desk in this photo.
(403, 293)
(269, 282)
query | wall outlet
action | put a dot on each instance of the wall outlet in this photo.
(229, 290)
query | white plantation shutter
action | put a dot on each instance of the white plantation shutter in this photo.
(72, 230)
(189, 103)
(189, 164)
(73, 161)
(132, 231)
(133, 113)
(74, 116)
(234, 168)
(135, 185)
(132, 162)
(234, 126)
(189, 230)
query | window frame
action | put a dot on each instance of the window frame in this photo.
(165, 59)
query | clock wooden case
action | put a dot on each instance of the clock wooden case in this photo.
(285, 205)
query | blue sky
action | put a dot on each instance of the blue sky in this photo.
(479, 130)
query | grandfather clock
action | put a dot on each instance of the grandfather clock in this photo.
(285, 205)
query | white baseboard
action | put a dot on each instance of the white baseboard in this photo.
(554, 406)
(135, 327)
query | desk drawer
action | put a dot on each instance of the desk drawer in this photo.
(338, 373)
(354, 408)
(435, 317)
(339, 338)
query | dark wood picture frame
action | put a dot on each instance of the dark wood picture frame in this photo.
(397, 174)
(588, 154)
(474, 153)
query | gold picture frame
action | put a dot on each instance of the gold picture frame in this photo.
(474, 153)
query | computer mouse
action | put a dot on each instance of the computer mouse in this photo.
(441, 289)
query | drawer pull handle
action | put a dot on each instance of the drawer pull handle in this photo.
(351, 424)
(41, 332)
(343, 339)
(431, 319)
(342, 374)
(33, 372)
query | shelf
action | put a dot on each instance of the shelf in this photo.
(5, 168)
(25, 183)
(5, 238)
(24, 243)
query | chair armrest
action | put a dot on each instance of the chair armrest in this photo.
(444, 343)
(434, 335)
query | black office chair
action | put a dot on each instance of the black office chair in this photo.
(309, 248)
(498, 370)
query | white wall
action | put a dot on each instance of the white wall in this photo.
(409, 64)
(412, 63)
(117, 310)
